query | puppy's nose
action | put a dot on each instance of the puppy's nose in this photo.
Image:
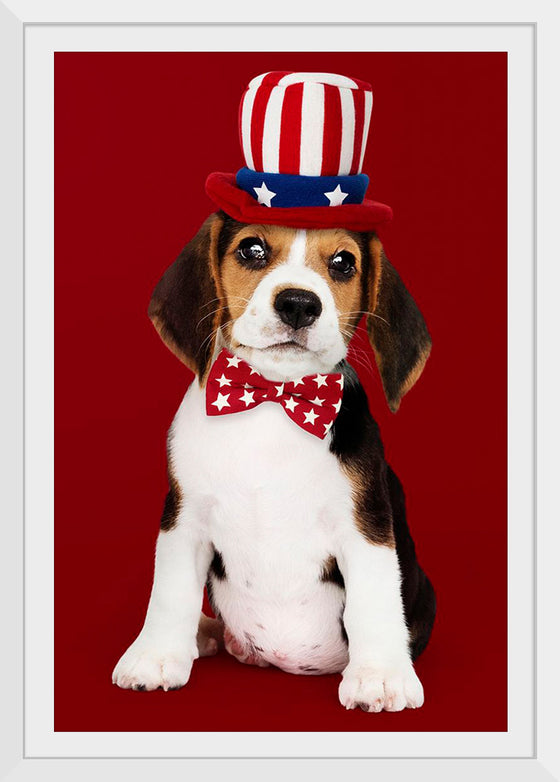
(297, 307)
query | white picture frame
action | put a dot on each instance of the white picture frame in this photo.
(528, 750)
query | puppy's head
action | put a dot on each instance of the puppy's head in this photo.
(288, 302)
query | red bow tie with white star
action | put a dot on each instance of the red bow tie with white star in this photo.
(312, 402)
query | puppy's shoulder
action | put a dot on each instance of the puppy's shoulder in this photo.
(355, 433)
(356, 442)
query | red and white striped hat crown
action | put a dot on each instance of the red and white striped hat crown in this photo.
(313, 124)
(303, 137)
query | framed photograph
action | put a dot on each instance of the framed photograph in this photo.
(121, 126)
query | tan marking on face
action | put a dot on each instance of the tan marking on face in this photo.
(239, 282)
(322, 245)
(375, 252)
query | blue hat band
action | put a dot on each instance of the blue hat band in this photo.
(288, 190)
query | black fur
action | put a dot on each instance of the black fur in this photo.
(182, 296)
(398, 334)
(229, 228)
(217, 570)
(170, 510)
(217, 566)
(357, 443)
(381, 514)
(173, 500)
(331, 572)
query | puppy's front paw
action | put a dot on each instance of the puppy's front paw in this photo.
(373, 689)
(150, 667)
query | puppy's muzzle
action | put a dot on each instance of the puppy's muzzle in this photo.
(297, 307)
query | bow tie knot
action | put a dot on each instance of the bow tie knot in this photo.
(312, 402)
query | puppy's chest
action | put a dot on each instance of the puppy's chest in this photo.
(275, 504)
(260, 484)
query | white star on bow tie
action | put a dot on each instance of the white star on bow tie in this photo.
(291, 403)
(321, 380)
(317, 401)
(248, 398)
(233, 361)
(221, 401)
(279, 389)
(224, 381)
(310, 417)
(336, 196)
(264, 195)
(337, 406)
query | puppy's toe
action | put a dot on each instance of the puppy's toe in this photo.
(413, 690)
(375, 689)
(207, 647)
(210, 636)
(144, 668)
(362, 689)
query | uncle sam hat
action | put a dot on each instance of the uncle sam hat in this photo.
(303, 137)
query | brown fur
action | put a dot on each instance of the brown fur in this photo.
(179, 304)
(369, 517)
(207, 288)
(321, 246)
(397, 331)
(330, 572)
(172, 504)
(239, 282)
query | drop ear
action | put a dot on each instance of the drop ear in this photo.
(184, 298)
(396, 328)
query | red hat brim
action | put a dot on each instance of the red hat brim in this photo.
(238, 204)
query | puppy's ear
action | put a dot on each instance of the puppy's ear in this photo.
(397, 331)
(184, 299)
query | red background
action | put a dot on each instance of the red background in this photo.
(135, 137)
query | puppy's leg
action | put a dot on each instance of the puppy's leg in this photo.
(379, 674)
(210, 636)
(163, 653)
(244, 652)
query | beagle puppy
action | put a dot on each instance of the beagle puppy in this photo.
(301, 540)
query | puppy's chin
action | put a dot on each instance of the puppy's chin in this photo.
(287, 361)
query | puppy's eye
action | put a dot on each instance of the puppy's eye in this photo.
(342, 266)
(252, 252)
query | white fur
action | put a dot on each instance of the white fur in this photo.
(274, 527)
(276, 504)
(163, 653)
(296, 256)
(259, 329)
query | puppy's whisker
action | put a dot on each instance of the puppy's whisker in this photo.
(226, 299)
(365, 312)
(214, 333)
(220, 309)
(359, 357)
(211, 301)
(214, 312)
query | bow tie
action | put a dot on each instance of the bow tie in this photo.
(312, 402)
